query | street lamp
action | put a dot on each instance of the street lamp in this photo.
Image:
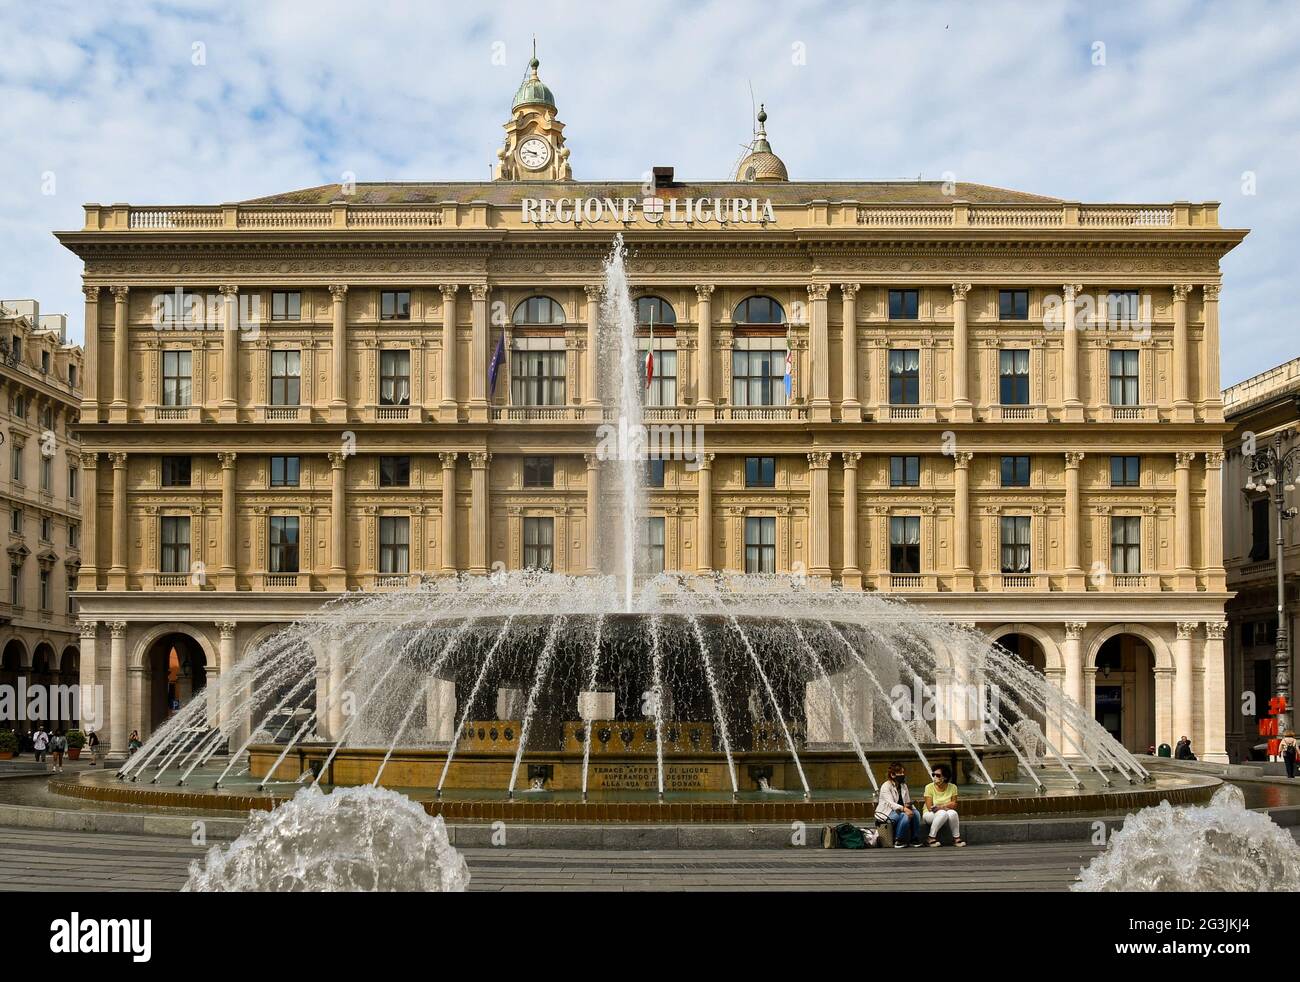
(1273, 471)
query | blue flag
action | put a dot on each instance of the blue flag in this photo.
(498, 359)
(789, 375)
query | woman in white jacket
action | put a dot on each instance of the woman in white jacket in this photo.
(895, 806)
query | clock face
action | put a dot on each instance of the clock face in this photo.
(534, 153)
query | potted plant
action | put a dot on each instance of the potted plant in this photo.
(8, 744)
(76, 740)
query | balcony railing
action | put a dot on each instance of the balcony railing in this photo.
(906, 581)
(1130, 581)
(172, 581)
(1020, 581)
(746, 414)
(537, 414)
(284, 581)
(282, 414)
(1128, 414)
(175, 414)
(1019, 414)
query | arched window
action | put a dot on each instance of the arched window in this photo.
(655, 310)
(539, 310)
(759, 310)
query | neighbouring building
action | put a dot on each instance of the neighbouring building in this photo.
(1262, 407)
(1003, 406)
(40, 494)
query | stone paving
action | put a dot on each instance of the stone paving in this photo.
(37, 859)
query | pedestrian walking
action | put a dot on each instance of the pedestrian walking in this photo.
(58, 745)
(1290, 749)
(40, 742)
(92, 741)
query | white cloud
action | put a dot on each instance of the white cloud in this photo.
(293, 94)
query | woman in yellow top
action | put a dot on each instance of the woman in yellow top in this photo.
(941, 806)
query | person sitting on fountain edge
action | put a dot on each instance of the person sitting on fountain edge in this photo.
(895, 806)
(941, 806)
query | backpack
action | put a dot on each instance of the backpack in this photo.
(849, 836)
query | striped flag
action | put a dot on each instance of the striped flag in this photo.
(498, 359)
(789, 374)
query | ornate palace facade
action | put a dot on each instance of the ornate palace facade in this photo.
(290, 397)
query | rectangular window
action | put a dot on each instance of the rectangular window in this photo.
(760, 472)
(904, 472)
(16, 464)
(1015, 544)
(19, 405)
(758, 371)
(47, 529)
(1014, 377)
(905, 544)
(1015, 472)
(1124, 378)
(655, 545)
(1126, 544)
(45, 368)
(539, 472)
(74, 535)
(176, 472)
(1259, 530)
(1125, 472)
(72, 376)
(176, 378)
(15, 584)
(286, 378)
(395, 305)
(537, 372)
(663, 384)
(283, 544)
(286, 306)
(175, 544)
(1122, 307)
(394, 544)
(760, 545)
(905, 377)
(45, 589)
(1013, 305)
(47, 473)
(16, 521)
(284, 472)
(654, 473)
(539, 543)
(394, 472)
(904, 305)
(74, 483)
(394, 378)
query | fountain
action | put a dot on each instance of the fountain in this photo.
(624, 697)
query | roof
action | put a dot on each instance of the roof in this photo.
(783, 193)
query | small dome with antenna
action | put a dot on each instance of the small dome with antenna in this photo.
(532, 90)
(761, 164)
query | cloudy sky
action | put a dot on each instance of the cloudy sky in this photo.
(180, 103)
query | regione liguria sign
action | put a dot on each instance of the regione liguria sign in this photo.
(669, 211)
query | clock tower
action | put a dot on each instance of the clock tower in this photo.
(534, 148)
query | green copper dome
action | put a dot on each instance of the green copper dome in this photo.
(532, 91)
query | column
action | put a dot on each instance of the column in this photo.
(851, 574)
(704, 369)
(90, 708)
(704, 515)
(1213, 741)
(1183, 680)
(962, 410)
(117, 410)
(591, 357)
(819, 341)
(338, 697)
(1072, 656)
(1184, 577)
(225, 664)
(819, 517)
(117, 572)
(593, 512)
(229, 522)
(850, 407)
(90, 359)
(88, 574)
(1211, 392)
(447, 411)
(338, 575)
(1073, 406)
(229, 408)
(1182, 403)
(1074, 579)
(478, 394)
(339, 345)
(117, 691)
(963, 578)
(448, 511)
(479, 520)
(1212, 554)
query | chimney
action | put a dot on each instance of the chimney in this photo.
(663, 177)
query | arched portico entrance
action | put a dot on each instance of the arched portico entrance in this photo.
(1124, 690)
(174, 667)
